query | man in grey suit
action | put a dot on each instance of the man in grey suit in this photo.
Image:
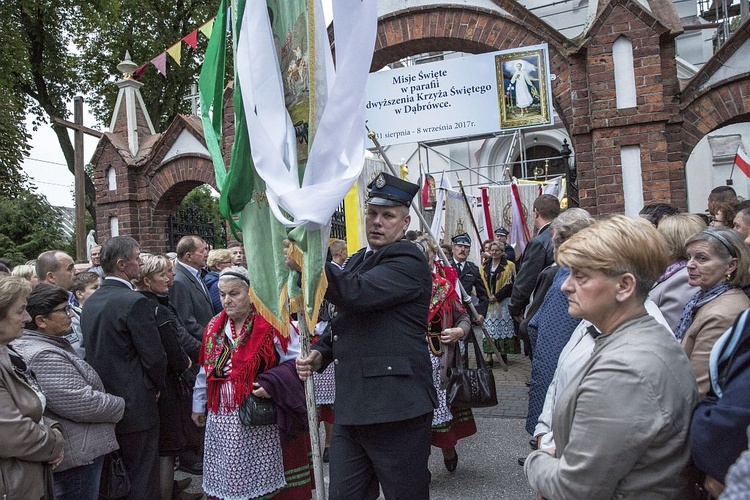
(122, 345)
(188, 294)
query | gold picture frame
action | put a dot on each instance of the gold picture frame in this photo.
(523, 88)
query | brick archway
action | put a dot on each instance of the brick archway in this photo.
(168, 186)
(725, 103)
(473, 30)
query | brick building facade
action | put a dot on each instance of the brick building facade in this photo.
(663, 126)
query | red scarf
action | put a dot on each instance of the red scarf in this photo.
(253, 351)
(444, 298)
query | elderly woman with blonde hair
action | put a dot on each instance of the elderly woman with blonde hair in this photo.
(672, 290)
(718, 266)
(218, 260)
(621, 426)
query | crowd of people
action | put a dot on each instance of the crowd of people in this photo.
(638, 332)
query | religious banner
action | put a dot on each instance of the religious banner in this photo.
(501, 204)
(461, 97)
(299, 137)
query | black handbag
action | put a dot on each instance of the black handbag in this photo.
(115, 482)
(255, 411)
(470, 387)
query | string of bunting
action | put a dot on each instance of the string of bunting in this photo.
(175, 51)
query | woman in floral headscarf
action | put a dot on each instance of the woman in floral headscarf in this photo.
(447, 323)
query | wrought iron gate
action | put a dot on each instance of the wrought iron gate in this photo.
(190, 221)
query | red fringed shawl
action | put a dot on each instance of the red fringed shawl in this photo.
(253, 353)
(444, 298)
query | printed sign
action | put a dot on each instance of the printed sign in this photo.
(469, 96)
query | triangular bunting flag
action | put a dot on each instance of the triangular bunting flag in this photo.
(191, 39)
(175, 51)
(207, 28)
(139, 71)
(160, 63)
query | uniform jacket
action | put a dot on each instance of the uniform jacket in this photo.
(538, 255)
(621, 426)
(28, 439)
(122, 345)
(718, 430)
(711, 320)
(193, 305)
(378, 338)
(471, 279)
(75, 397)
(671, 295)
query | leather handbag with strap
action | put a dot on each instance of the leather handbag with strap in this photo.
(255, 411)
(470, 387)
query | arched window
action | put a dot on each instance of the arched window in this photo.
(622, 56)
(111, 179)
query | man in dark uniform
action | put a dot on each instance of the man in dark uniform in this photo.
(384, 392)
(469, 274)
(501, 236)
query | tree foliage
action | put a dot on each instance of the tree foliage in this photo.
(30, 225)
(42, 71)
(52, 50)
(202, 202)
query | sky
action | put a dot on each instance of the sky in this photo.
(46, 165)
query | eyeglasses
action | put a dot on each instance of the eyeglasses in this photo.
(225, 262)
(66, 309)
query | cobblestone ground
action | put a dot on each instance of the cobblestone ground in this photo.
(488, 461)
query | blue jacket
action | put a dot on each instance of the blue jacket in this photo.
(212, 283)
(717, 432)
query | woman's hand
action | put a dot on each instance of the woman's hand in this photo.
(259, 391)
(305, 367)
(451, 335)
(199, 419)
(57, 460)
(492, 299)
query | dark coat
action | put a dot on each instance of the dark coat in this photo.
(718, 429)
(539, 254)
(471, 279)
(193, 305)
(504, 291)
(377, 339)
(172, 400)
(121, 345)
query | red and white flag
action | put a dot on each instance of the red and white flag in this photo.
(742, 161)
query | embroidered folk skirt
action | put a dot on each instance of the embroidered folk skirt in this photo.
(241, 462)
(448, 424)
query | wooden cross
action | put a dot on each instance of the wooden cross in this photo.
(80, 175)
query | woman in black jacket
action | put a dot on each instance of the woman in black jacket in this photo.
(153, 284)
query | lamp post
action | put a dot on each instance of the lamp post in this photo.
(570, 174)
